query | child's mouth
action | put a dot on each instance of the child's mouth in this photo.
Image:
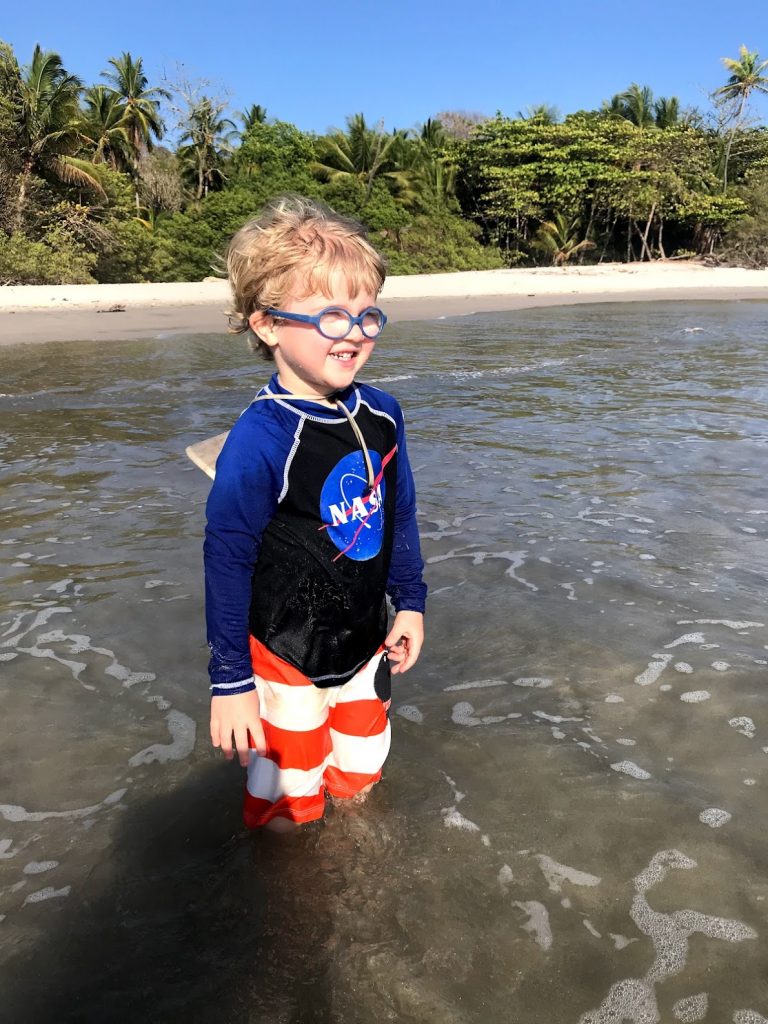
(344, 357)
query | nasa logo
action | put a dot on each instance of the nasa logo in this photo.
(354, 519)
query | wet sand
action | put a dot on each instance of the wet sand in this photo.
(30, 314)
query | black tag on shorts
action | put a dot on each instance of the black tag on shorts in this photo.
(382, 681)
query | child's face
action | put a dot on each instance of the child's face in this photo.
(307, 362)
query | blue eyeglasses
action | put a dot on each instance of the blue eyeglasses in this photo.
(336, 323)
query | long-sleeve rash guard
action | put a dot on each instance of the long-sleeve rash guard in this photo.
(299, 551)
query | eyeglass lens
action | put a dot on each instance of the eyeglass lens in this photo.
(337, 323)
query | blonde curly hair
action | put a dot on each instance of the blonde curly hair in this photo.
(295, 246)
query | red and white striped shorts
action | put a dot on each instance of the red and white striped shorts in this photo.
(332, 740)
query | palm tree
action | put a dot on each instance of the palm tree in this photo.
(559, 238)
(206, 140)
(542, 113)
(48, 132)
(747, 76)
(666, 112)
(432, 169)
(363, 153)
(255, 114)
(143, 123)
(105, 130)
(638, 105)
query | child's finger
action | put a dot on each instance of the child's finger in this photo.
(256, 731)
(241, 743)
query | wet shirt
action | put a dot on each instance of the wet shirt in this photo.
(299, 551)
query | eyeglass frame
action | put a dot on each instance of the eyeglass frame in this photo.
(354, 321)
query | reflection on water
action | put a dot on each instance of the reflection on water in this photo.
(572, 822)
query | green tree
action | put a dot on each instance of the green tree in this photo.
(541, 112)
(105, 130)
(10, 115)
(560, 238)
(273, 158)
(747, 75)
(255, 114)
(364, 153)
(143, 123)
(48, 133)
(206, 141)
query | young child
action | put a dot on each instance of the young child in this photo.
(311, 523)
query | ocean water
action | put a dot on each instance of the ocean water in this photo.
(572, 824)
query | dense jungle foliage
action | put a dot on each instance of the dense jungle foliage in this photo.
(88, 192)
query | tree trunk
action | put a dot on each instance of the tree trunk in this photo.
(731, 137)
(647, 230)
(21, 200)
(661, 244)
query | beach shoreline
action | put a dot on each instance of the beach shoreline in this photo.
(112, 312)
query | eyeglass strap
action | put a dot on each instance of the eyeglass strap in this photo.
(338, 404)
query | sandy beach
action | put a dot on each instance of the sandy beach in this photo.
(44, 313)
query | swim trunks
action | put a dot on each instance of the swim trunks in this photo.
(332, 740)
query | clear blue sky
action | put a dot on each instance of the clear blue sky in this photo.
(313, 62)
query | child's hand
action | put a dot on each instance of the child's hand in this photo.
(404, 641)
(238, 714)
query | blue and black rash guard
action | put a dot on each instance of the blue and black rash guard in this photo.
(299, 552)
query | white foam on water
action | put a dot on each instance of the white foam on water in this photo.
(654, 669)
(463, 713)
(715, 817)
(621, 941)
(730, 623)
(743, 725)
(634, 999)
(750, 782)
(537, 682)
(647, 558)
(515, 558)
(571, 588)
(695, 696)
(625, 741)
(692, 1008)
(13, 812)
(557, 719)
(452, 818)
(538, 922)
(683, 666)
(37, 867)
(686, 638)
(614, 698)
(182, 729)
(591, 928)
(161, 702)
(748, 529)
(8, 656)
(410, 713)
(505, 877)
(558, 734)
(630, 768)
(477, 684)
(749, 1017)
(720, 666)
(666, 687)
(556, 874)
(49, 893)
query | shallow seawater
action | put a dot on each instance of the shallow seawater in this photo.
(572, 824)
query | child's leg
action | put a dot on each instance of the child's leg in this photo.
(286, 785)
(359, 730)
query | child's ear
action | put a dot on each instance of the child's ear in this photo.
(263, 326)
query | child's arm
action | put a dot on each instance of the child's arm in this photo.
(405, 584)
(241, 503)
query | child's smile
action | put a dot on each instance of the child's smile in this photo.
(307, 362)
